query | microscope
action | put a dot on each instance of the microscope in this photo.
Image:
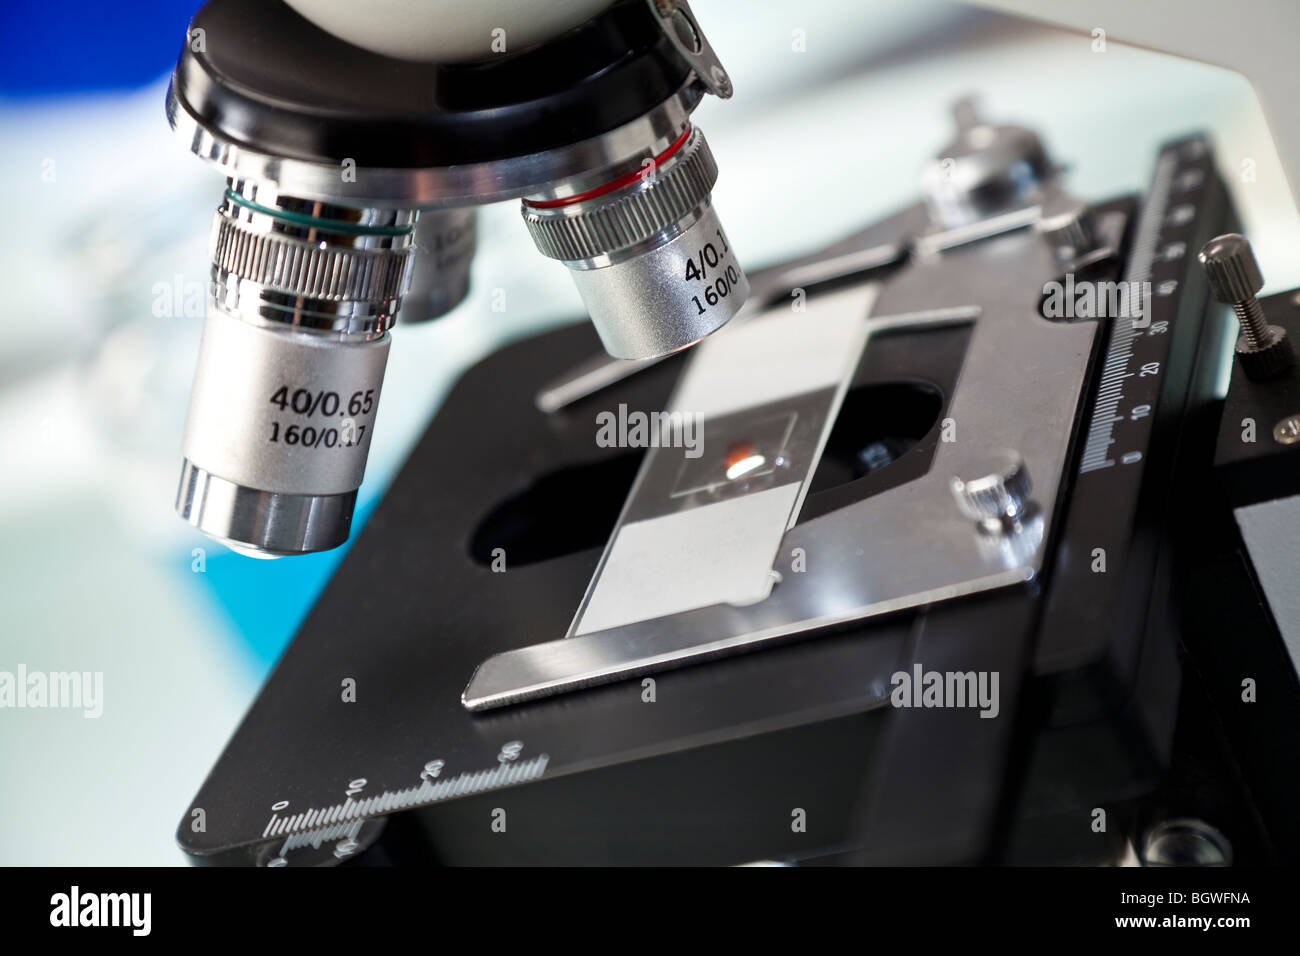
(920, 548)
(343, 160)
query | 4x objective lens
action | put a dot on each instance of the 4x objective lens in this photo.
(290, 368)
(648, 254)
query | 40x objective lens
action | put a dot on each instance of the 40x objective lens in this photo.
(290, 369)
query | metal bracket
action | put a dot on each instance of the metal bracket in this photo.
(684, 31)
(1019, 389)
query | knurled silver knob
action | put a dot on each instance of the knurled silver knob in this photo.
(1231, 268)
(996, 492)
(1234, 277)
(1069, 226)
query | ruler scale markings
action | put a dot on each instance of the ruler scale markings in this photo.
(1120, 352)
(324, 823)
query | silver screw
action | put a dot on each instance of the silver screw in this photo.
(1185, 841)
(1234, 277)
(1069, 226)
(1287, 431)
(997, 496)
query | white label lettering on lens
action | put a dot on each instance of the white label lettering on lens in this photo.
(283, 411)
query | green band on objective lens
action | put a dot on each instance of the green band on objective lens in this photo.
(330, 225)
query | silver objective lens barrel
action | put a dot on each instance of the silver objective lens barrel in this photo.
(445, 240)
(290, 368)
(315, 244)
(648, 254)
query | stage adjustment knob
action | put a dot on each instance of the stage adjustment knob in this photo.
(1233, 272)
(995, 494)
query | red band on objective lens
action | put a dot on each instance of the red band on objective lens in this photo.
(625, 180)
